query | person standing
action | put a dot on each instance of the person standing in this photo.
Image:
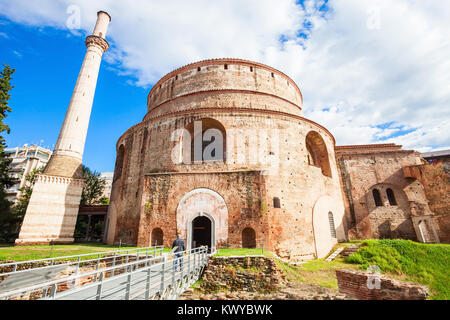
(180, 248)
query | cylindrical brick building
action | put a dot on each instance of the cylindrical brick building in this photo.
(272, 179)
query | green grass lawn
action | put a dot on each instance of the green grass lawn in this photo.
(10, 252)
(241, 252)
(423, 263)
(427, 264)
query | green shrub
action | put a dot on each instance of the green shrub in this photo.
(427, 264)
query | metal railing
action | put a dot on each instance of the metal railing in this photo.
(146, 277)
(26, 273)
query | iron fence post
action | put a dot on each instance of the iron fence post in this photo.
(147, 289)
(100, 287)
(76, 273)
(114, 264)
(53, 291)
(162, 276)
(97, 266)
(128, 289)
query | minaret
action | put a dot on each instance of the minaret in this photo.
(53, 209)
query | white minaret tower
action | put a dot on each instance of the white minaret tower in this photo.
(53, 209)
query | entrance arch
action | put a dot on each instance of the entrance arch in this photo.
(202, 234)
(206, 203)
(157, 237)
(248, 238)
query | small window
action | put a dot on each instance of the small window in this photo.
(226, 67)
(273, 76)
(377, 198)
(251, 69)
(391, 197)
(199, 69)
(176, 78)
(332, 225)
(276, 203)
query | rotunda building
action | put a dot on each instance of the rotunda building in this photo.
(225, 156)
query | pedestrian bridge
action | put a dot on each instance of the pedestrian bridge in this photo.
(139, 274)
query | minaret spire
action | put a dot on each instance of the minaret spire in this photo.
(53, 209)
(68, 153)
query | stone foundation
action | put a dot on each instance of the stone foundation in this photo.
(52, 212)
(357, 283)
(250, 274)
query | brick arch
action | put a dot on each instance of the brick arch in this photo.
(211, 129)
(203, 202)
(317, 152)
(323, 238)
(248, 238)
(389, 219)
(119, 162)
(157, 237)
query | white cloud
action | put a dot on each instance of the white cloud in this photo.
(368, 70)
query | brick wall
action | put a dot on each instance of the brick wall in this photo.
(251, 273)
(151, 186)
(365, 168)
(355, 284)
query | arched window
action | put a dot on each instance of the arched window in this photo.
(248, 238)
(317, 153)
(377, 198)
(119, 163)
(332, 225)
(210, 135)
(157, 237)
(276, 202)
(144, 142)
(391, 197)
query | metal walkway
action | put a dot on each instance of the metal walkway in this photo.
(128, 276)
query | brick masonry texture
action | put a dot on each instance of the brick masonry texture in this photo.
(355, 284)
(252, 274)
(319, 186)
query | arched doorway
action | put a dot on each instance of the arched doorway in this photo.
(201, 232)
(203, 203)
(157, 237)
(248, 238)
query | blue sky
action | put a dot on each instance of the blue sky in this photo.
(369, 71)
(47, 63)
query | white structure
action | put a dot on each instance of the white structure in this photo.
(52, 213)
(24, 160)
(108, 177)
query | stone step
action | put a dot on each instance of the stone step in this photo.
(350, 250)
(334, 254)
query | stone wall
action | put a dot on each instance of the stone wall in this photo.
(435, 178)
(251, 274)
(355, 283)
(364, 169)
(242, 192)
(148, 185)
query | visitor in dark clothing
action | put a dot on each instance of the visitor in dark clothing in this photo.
(179, 243)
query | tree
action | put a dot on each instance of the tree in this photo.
(93, 188)
(5, 180)
(25, 194)
(7, 219)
